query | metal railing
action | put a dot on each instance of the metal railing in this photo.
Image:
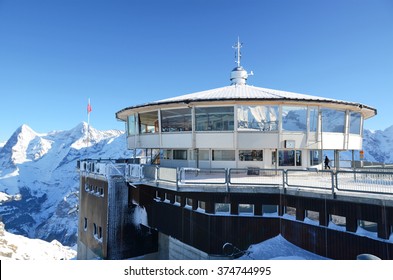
(376, 181)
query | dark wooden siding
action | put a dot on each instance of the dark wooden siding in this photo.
(208, 231)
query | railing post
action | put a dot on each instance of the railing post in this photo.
(177, 178)
(141, 175)
(157, 177)
(284, 179)
(227, 178)
(334, 182)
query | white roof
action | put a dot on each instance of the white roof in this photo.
(245, 93)
(236, 92)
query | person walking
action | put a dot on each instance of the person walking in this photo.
(327, 162)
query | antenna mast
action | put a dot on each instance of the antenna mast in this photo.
(238, 54)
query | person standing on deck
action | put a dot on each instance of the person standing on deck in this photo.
(326, 161)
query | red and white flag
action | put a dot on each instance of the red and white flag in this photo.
(88, 107)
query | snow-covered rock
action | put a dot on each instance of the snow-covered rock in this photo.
(378, 145)
(17, 247)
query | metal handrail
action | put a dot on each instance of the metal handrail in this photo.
(357, 181)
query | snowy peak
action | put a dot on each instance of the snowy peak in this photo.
(15, 149)
(26, 145)
(85, 135)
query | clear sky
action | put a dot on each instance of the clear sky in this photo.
(55, 54)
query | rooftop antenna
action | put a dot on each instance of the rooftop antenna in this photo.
(239, 75)
(238, 54)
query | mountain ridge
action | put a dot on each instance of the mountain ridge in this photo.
(41, 168)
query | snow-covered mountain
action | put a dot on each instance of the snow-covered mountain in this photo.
(39, 182)
(378, 145)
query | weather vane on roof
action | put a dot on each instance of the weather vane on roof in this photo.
(238, 54)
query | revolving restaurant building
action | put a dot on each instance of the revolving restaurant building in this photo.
(243, 126)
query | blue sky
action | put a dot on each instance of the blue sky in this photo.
(55, 54)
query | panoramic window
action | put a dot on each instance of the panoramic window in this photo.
(251, 155)
(258, 118)
(176, 120)
(313, 119)
(333, 120)
(315, 157)
(223, 155)
(355, 123)
(148, 122)
(289, 158)
(132, 125)
(294, 118)
(214, 118)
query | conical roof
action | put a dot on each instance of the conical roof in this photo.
(247, 93)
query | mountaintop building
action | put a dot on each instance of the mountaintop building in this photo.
(244, 126)
(216, 171)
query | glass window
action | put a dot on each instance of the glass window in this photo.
(132, 125)
(176, 120)
(338, 220)
(99, 232)
(368, 225)
(198, 154)
(315, 157)
(166, 154)
(251, 155)
(269, 209)
(223, 155)
(222, 208)
(289, 158)
(246, 209)
(333, 120)
(214, 119)
(180, 154)
(313, 119)
(259, 118)
(274, 157)
(204, 155)
(294, 118)
(148, 122)
(355, 123)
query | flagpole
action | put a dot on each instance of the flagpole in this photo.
(88, 122)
